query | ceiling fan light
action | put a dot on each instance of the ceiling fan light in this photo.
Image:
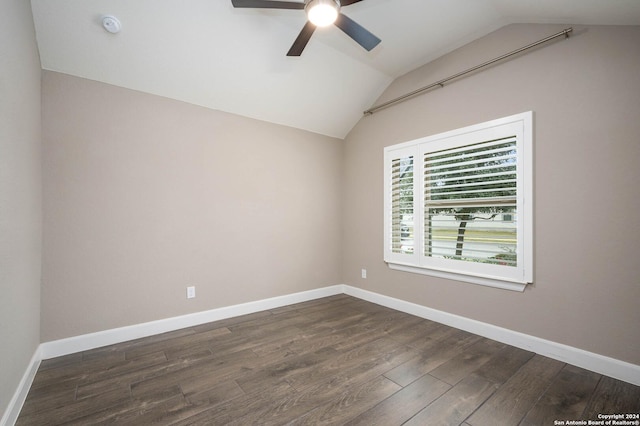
(322, 12)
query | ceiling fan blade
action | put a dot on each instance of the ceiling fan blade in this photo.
(302, 40)
(267, 4)
(348, 2)
(354, 30)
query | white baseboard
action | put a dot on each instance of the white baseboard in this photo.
(15, 405)
(591, 361)
(117, 335)
(588, 360)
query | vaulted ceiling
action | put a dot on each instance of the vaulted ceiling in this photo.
(207, 53)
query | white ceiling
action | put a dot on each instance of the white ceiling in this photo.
(207, 53)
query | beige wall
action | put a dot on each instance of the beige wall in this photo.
(585, 93)
(20, 195)
(145, 196)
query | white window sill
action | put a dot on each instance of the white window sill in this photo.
(486, 281)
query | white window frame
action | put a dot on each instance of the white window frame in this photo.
(506, 277)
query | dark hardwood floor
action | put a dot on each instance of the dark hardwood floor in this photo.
(337, 360)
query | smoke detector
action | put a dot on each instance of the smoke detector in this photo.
(111, 24)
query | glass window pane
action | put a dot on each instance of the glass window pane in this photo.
(475, 234)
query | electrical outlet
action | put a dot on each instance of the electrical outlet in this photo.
(191, 292)
(364, 273)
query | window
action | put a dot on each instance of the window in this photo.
(459, 204)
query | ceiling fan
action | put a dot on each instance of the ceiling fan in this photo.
(320, 13)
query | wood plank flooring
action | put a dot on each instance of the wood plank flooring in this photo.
(337, 360)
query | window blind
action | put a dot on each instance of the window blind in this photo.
(470, 196)
(402, 224)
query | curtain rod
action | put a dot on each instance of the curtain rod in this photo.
(441, 83)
